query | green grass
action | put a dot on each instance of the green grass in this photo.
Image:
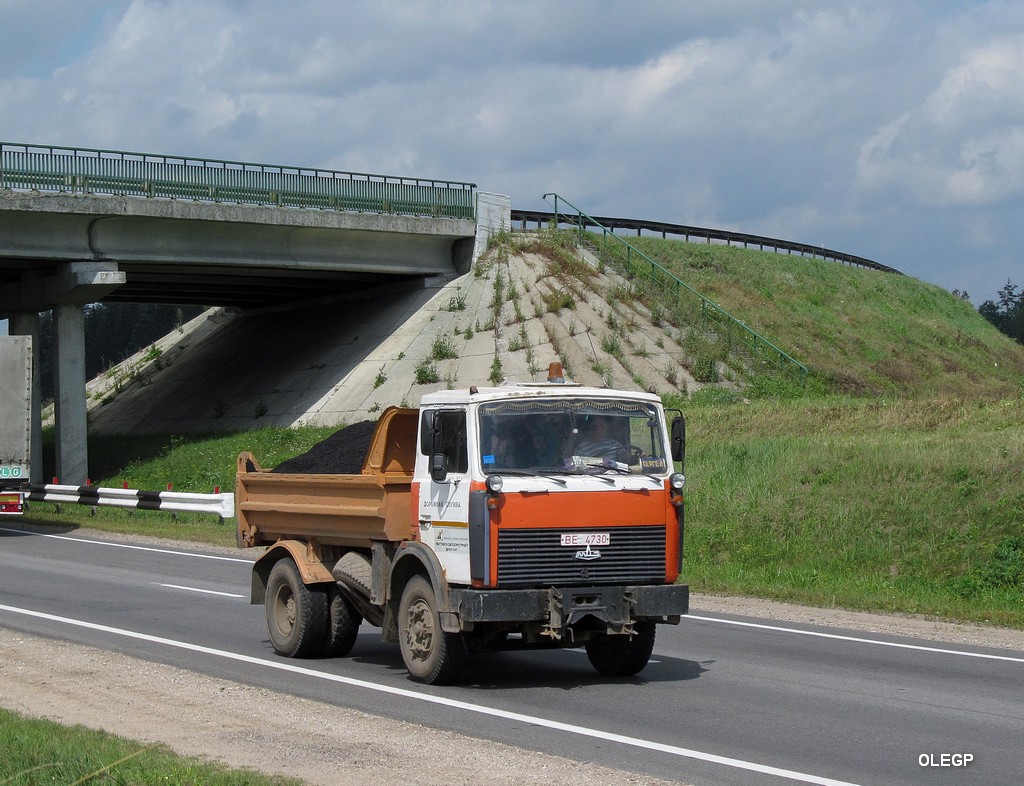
(911, 506)
(40, 752)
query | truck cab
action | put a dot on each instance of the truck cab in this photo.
(558, 472)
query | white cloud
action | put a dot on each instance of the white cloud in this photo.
(963, 143)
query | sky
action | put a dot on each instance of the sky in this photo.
(889, 129)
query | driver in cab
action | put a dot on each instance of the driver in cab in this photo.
(595, 442)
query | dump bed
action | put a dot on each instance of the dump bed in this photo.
(342, 510)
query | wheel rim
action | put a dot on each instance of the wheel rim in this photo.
(420, 630)
(284, 611)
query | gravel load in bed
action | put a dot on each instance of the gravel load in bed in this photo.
(342, 453)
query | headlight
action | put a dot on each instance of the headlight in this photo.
(494, 483)
(677, 481)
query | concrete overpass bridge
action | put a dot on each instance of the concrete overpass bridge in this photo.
(81, 226)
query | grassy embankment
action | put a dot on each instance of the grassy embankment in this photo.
(892, 480)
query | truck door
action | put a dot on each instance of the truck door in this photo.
(443, 472)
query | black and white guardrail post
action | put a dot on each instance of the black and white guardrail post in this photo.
(221, 505)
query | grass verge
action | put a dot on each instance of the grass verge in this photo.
(41, 752)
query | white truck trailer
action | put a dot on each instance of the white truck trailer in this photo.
(15, 422)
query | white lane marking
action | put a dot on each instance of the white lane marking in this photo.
(126, 546)
(197, 589)
(840, 637)
(517, 717)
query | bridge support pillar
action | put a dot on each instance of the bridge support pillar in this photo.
(69, 394)
(65, 291)
(26, 323)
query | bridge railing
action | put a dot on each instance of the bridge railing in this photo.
(637, 262)
(727, 236)
(81, 170)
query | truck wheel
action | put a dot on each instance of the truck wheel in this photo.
(622, 656)
(431, 655)
(297, 616)
(344, 625)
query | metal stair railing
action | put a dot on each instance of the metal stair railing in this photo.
(637, 262)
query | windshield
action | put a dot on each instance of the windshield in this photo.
(571, 435)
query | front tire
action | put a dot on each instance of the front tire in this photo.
(622, 656)
(431, 655)
(297, 616)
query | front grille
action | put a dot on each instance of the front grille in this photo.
(534, 557)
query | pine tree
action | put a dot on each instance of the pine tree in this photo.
(1007, 312)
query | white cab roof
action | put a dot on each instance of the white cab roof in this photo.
(530, 390)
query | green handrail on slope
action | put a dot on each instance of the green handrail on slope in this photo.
(758, 344)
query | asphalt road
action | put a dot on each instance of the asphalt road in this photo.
(725, 700)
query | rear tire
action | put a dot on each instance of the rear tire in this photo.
(297, 616)
(622, 656)
(343, 628)
(431, 655)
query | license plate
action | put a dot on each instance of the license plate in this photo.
(586, 538)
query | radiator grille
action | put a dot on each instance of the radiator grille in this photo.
(532, 557)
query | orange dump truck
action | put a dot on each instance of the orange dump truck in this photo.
(528, 516)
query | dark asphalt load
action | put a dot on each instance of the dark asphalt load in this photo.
(342, 453)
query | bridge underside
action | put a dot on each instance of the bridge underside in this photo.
(210, 254)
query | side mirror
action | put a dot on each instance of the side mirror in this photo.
(678, 440)
(438, 467)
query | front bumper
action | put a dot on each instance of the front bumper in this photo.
(562, 607)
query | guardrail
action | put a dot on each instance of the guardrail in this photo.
(221, 505)
(541, 218)
(636, 261)
(82, 170)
